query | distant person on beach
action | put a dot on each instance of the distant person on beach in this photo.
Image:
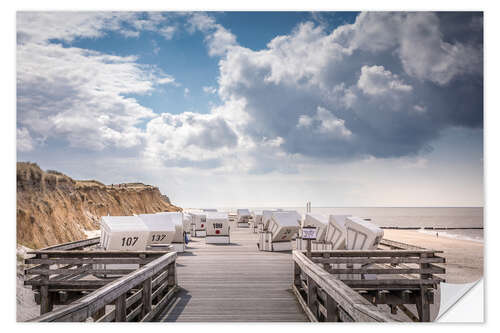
(437, 234)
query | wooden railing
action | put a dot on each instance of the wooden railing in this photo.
(347, 285)
(123, 285)
(137, 296)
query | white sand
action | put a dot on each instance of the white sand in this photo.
(464, 258)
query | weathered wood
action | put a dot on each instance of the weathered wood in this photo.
(234, 282)
(84, 261)
(312, 298)
(303, 304)
(398, 245)
(172, 275)
(98, 314)
(108, 317)
(382, 271)
(422, 302)
(389, 260)
(391, 297)
(135, 312)
(72, 245)
(390, 282)
(146, 297)
(354, 304)
(72, 271)
(92, 302)
(45, 300)
(71, 283)
(121, 308)
(332, 310)
(159, 278)
(408, 313)
(98, 254)
(373, 253)
(160, 305)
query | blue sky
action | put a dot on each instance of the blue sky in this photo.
(258, 108)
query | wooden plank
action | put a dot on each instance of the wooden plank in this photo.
(146, 297)
(332, 310)
(160, 305)
(108, 317)
(390, 282)
(64, 271)
(110, 292)
(303, 304)
(134, 313)
(388, 260)
(84, 261)
(71, 283)
(399, 245)
(349, 300)
(45, 301)
(373, 253)
(312, 298)
(234, 282)
(121, 308)
(98, 254)
(381, 271)
(72, 245)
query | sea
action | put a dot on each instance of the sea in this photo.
(419, 217)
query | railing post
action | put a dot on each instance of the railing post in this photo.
(312, 296)
(99, 313)
(146, 297)
(332, 309)
(296, 274)
(121, 308)
(45, 298)
(423, 307)
(172, 275)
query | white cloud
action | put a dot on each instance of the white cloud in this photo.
(330, 124)
(24, 140)
(40, 27)
(168, 79)
(210, 90)
(427, 56)
(312, 93)
(326, 123)
(376, 80)
(304, 121)
(315, 88)
(188, 137)
(219, 40)
(78, 95)
(418, 41)
(168, 32)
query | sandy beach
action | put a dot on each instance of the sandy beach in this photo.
(464, 258)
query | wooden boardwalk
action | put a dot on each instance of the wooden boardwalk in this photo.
(235, 282)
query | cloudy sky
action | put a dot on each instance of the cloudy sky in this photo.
(258, 109)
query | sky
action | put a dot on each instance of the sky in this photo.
(258, 108)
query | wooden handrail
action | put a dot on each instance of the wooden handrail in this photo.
(116, 290)
(345, 298)
(99, 253)
(72, 245)
(373, 253)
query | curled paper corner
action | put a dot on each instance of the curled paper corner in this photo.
(461, 302)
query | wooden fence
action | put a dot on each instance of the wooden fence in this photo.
(118, 285)
(347, 285)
